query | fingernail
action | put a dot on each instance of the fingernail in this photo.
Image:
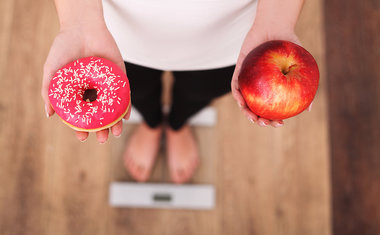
(84, 140)
(279, 124)
(118, 136)
(46, 111)
(264, 123)
(239, 105)
(251, 120)
(309, 109)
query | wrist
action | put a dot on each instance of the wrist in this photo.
(72, 13)
(278, 14)
(266, 32)
(272, 26)
(271, 31)
(82, 24)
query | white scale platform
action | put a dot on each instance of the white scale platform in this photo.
(195, 197)
(169, 196)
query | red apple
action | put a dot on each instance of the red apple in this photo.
(278, 80)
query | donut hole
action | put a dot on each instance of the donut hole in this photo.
(90, 95)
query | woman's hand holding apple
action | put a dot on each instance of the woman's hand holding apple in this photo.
(269, 25)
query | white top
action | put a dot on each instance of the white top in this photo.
(180, 34)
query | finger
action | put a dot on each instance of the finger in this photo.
(263, 122)
(128, 115)
(102, 136)
(309, 108)
(235, 89)
(250, 115)
(236, 93)
(115, 56)
(296, 41)
(121, 65)
(277, 123)
(81, 135)
(117, 128)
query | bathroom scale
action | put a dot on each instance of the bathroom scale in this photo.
(169, 196)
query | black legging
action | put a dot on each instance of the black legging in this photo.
(192, 91)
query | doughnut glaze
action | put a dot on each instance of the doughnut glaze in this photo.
(109, 103)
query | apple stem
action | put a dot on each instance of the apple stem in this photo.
(287, 70)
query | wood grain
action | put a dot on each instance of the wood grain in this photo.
(353, 46)
(268, 181)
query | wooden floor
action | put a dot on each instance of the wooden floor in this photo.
(353, 33)
(268, 181)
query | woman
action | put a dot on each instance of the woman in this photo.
(202, 41)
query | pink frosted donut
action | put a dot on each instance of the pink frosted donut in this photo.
(90, 94)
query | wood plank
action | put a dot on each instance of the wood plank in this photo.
(352, 43)
(51, 184)
(21, 161)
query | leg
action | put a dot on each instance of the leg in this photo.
(143, 145)
(146, 90)
(192, 91)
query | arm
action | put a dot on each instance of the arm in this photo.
(275, 19)
(79, 12)
(83, 33)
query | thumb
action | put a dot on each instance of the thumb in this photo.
(121, 65)
(128, 115)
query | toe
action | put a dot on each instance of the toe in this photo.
(132, 168)
(127, 160)
(141, 173)
(130, 165)
(179, 176)
(190, 170)
(133, 172)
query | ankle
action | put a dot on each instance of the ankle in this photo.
(183, 129)
(146, 127)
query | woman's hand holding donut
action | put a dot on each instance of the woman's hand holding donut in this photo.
(83, 39)
(271, 23)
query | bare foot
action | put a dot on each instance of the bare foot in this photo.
(141, 151)
(182, 151)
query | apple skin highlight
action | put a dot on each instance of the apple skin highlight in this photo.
(278, 80)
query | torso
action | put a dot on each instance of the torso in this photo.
(180, 34)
